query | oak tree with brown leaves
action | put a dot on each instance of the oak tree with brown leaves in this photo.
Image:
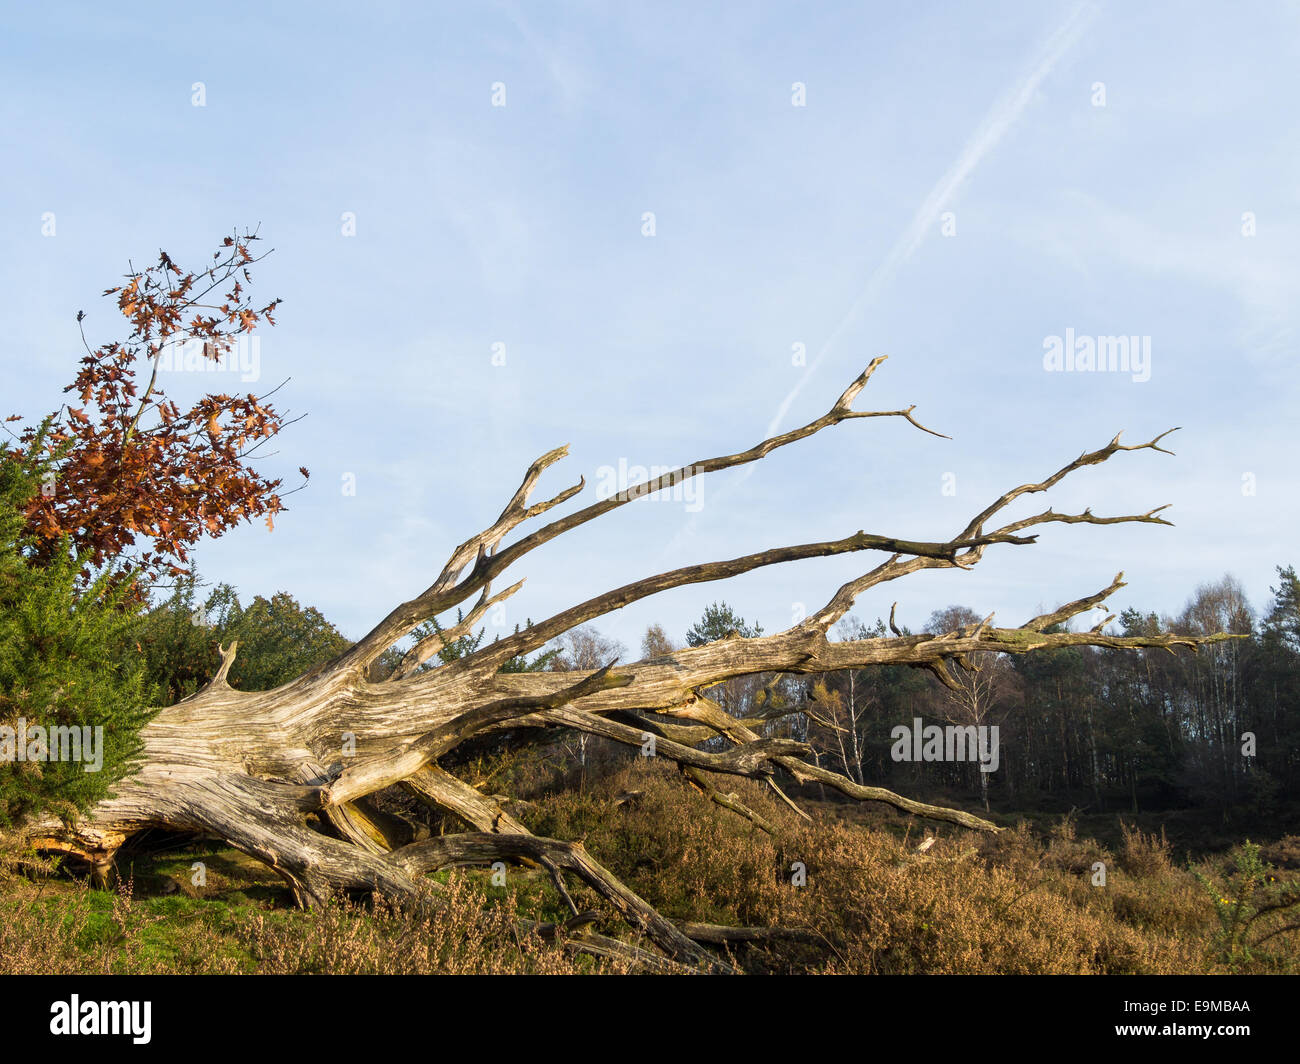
(139, 479)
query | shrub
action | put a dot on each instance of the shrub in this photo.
(68, 666)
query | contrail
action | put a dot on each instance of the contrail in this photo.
(1000, 118)
(995, 125)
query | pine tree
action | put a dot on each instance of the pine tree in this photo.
(718, 622)
(73, 693)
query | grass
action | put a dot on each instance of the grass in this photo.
(1030, 900)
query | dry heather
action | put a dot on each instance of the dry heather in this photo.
(93, 932)
(1014, 903)
(1007, 904)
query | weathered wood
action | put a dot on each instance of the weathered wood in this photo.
(446, 851)
(727, 801)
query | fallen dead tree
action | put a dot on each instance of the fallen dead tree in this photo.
(254, 767)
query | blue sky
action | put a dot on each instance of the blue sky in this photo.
(1096, 167)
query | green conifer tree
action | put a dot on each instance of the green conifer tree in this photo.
(73, 693)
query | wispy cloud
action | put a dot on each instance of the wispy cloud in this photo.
(1264, 277)
(568, 77)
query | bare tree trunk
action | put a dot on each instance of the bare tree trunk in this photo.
(856, 772)
(257, 768)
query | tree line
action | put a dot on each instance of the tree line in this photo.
(1102, 729)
